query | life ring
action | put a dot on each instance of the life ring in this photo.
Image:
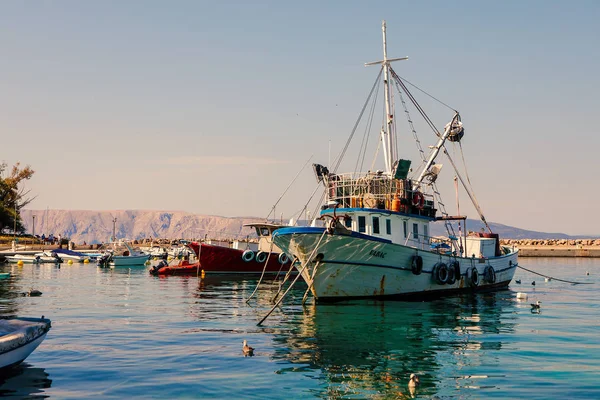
(283, 258)
(474, 277)
(489, 274)
(261, 257)
(416, 264)
(440, 273)
(248, 255)
(418, 200)
(453, 272)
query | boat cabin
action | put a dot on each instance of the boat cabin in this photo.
(264, 231)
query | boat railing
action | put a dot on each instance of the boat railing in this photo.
(376, 190)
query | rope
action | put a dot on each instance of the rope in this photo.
(422, 91)
(556, 279)
(308, 260)
(263, 272)
(286, 189)
(341, 156)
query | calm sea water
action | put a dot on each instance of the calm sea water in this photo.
(124, 334)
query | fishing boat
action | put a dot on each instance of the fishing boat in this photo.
(267, 256)
(122, 254)
(219, 259)
(19, 337)
(375, 241)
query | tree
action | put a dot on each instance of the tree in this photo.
(13, 198)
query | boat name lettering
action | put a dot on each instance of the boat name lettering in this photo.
(377, 253)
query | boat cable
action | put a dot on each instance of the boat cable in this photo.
(339, 158)
(365, 141)
(305, 207)
(288, 188)
(285, 279)
(556, 279)
(262, 274)
(422, 91)
(469, 193)
(300, 271)
(415, 103)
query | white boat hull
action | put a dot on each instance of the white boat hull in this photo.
(18, 355)
(32, 259)
(356, 267)
(20, 337)
(128, 261)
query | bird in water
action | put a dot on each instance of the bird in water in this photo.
(536, 307)
(247, 350)
(548, 279)
(518, 281)
(533, 283)
(32, 293)
(587, 272)
(413, 383)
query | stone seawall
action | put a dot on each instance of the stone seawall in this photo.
(555, 247)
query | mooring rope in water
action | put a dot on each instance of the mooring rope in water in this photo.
(262, 274)
(555, 279)
(300, 271)
(285, 278)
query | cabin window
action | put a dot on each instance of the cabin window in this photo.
(415, 231)
(405, 223)
(348, 222)
(388, 226)
(375, 225)
(362, 224)
(264, 232)
(425, 231)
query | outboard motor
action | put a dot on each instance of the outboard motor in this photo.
(104, 260)
(154, 270)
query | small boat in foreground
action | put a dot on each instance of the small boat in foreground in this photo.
(19, 337)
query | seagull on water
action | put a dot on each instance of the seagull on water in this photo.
(548, 279)
(535, 307)
(414, 381)
(518, 281)
(247, 350)
(533, 283)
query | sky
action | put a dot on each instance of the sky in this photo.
(214, 107)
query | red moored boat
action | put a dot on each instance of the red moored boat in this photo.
(226, 260)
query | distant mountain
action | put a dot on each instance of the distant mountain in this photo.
(97, 226)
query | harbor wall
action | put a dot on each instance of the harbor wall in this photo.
(555, 247)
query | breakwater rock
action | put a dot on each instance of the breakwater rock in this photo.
(555, 247)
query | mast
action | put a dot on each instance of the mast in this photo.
(387, 133)
(389, 149)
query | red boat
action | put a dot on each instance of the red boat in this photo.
(226, 260)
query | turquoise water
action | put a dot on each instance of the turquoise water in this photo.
(124, 334)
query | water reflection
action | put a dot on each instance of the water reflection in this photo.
(368, 349)
(24, 381)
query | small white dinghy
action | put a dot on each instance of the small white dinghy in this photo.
(19, 337)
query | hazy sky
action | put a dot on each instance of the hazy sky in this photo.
(213, 107)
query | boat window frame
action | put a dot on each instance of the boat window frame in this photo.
(362, 224)
(388, 226)
(415, 231)
(405, 223)
(375, 224)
